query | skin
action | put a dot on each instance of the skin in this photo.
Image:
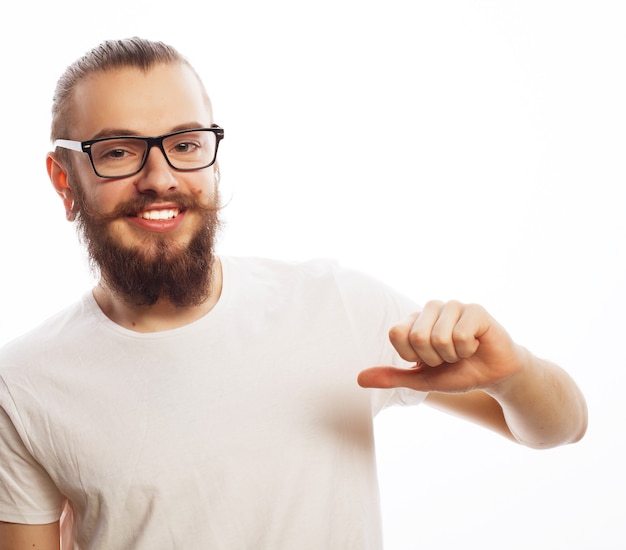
(14, 536)
(132, 102)
(475, 370)
(461, 354)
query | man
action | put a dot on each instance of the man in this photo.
(196, 401)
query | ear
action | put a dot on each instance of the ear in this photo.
(58, 177)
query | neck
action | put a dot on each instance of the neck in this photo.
(158, 317)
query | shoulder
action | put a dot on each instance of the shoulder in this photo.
(323, 271)
(58, 331)
(269, 268)
(318, 281)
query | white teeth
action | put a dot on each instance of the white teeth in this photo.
(158, 214)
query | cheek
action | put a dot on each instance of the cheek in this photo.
(106, 195)
(107, 198)
(205, 192)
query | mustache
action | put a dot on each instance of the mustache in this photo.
(144, 202)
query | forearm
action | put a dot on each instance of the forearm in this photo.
(542, 405)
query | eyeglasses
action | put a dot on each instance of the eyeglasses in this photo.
(123, 156)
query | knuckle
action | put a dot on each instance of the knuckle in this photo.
(465, 343)
(395, 333)
(475, 309)
(433, 304)
(439, 341)
(462, 335)
(418, 339)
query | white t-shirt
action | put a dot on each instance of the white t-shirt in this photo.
(243, 430)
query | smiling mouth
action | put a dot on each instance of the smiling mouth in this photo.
(165, 214)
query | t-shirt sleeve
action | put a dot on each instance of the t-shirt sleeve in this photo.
(27, 493)
(374, 308)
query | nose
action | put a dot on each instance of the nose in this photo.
(157, 176)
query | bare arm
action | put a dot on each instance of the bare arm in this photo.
(18, 536)
(474, 369)
(542, 405)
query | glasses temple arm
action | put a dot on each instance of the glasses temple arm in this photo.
(69, 144)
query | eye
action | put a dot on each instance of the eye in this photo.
(116, 150)
(116, 153)
(189, 149)
(185, 147)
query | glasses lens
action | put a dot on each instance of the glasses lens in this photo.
(122, 156)
(190, 150)
(118, 156)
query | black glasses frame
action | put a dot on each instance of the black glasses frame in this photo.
(156, 141)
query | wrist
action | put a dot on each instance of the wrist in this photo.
(523, 369)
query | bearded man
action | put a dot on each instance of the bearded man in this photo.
(197, 401)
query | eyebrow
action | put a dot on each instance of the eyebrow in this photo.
(120, 132)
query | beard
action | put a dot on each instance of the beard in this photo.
(180, 274)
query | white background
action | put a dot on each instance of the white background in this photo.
(455, 149)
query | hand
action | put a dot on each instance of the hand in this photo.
(456, 348)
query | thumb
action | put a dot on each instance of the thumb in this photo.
(391, 377)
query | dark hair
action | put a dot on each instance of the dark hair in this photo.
(111, 54)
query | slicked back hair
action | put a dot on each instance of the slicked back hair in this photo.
(110, 55)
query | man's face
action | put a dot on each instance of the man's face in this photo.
(150, 234)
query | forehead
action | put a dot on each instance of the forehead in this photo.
(142, 102)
